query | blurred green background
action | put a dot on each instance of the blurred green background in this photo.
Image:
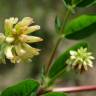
(43, 12)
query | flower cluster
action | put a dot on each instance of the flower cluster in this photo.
(14, 42)
(80, 59)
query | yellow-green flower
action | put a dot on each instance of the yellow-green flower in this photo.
(14, 41)
(80, 59)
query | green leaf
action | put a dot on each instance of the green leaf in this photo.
(80, 27)
(57, 24)
(67, 2)
(59, 66)
(25, 88)
(84, 3)
(54, 94)
(79, 3)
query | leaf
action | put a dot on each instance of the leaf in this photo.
(80, 27)
(24, 88)
(59, 65)
(67, 2)
(84, 3)
(79, 3)
(54, 94)
(57, 24)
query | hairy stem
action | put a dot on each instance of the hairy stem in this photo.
(74, 89)
(58, 41)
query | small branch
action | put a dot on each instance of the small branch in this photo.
(65, 21)
(53, 54)
(58, 41)
(75, 89)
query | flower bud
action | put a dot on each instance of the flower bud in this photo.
(80, 59)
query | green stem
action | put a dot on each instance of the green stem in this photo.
(65, 20)
(53, 54)
(58, 41)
